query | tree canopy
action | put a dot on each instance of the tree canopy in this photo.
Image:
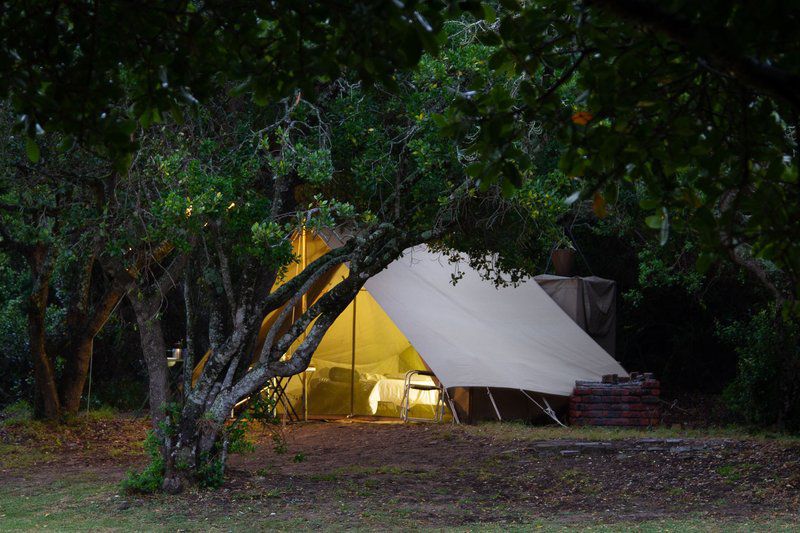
(694, 105)
(78, 68)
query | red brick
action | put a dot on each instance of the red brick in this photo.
(632, 414)
(631, 404)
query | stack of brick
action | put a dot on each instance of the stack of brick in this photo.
(616, 401)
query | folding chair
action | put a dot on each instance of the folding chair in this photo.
(423, 387)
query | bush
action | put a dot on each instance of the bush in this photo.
(766, 389)
(102, 412)
(210, 473)
(151, 478)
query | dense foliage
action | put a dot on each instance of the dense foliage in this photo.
(68, 65)
(694, 105)
(15, 364)
(766, 390)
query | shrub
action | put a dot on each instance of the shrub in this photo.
(16, 369)
(766, 389)
(210, 473)
(151, 478)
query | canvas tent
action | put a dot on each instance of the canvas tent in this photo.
(472, 335)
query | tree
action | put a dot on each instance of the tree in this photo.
(369, 162)
(695, 104)
(63, 217)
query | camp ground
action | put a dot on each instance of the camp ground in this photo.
(416, 345)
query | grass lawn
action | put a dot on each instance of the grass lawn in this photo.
(82, 503)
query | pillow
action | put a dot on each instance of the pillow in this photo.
(341, 374)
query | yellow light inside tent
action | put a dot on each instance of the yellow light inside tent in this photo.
(359, 366)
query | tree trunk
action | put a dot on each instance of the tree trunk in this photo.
(43, 371)
(196, 443)
(154, 351)
(44, 374)
(78, 353)
(78, 356)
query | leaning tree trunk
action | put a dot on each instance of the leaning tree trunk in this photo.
(78, 354)
(199, 438)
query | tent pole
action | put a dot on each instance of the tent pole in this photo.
(496, 410)
(303, 307)
(547, 410)
(353, 361)
(452, 407)
(303, 260)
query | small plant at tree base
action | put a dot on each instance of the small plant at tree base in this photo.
(237, 437)
(211, 473)
(261, 410)
(150, 479)
(299, 457)
(19, 411)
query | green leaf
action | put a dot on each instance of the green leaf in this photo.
(489, 14)
(67, 142)
(648, 203)
(123, 163)
(508, 188)
(146, 119)
(474, 170)
(32, 149)
(704, 262)
(127, 127)
(653, 221)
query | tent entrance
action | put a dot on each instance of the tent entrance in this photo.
(359, 369)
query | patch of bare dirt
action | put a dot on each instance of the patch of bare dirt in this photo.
(34, 453)
(443, 475)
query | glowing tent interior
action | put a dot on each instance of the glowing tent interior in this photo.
(476, 339)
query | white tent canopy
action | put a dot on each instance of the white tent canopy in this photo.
(475, 335)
